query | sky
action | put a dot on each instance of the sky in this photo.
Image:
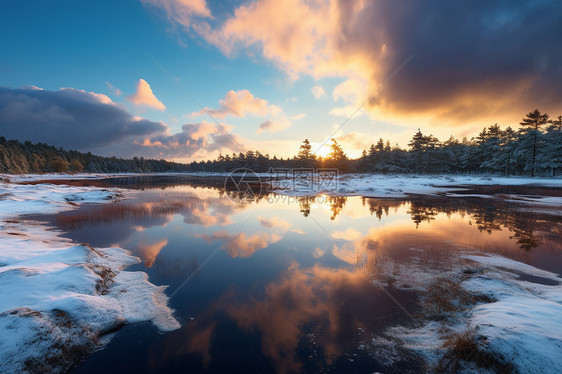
(188, 79)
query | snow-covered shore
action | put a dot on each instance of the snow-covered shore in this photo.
(399, 186)
(480, 313)
(58, 298)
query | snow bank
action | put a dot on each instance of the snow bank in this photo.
(374, 185)
(59, 299)
(525, 322)
(515, 318)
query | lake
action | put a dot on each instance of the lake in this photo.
(289, 284)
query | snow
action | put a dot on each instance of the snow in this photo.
(400, 186)
(368, 185)
(522, 324)
(59, 298)
(373, 185)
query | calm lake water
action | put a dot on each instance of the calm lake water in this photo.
(285, 284)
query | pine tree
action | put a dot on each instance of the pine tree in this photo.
(337, 157)
(305, 157)
(417, 142)
(416, 146)
(552, 154)
(532, 126)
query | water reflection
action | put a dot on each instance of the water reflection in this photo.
(281, 294)
(112, 224)
(320, 311)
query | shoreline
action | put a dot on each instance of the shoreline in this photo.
(60, 299)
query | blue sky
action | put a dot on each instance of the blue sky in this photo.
(213, 48)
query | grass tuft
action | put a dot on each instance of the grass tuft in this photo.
(468, 347)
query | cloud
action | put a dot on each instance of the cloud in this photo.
(30, 87)
(181, 11)
(355, 142)
(193, 138)
(207, 212)
(350, 91)
(296, 117)
(472, 61)
(149, 251)
(70, 118)
(114, 90)
(278, 124)
(145, 96)
(345, 111)
(275, 223)
(349, 234)
(88, 121)
(338, 299)
(318, 92)
(317, 253)
(242, 245)
(239, 104)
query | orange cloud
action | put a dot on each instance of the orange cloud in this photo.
(318, 92)
(275, 223)
(181, 11)
(298, 116)
(194, 137)
(149, 143)
(273, 126)
(239, 104)
(240, 245)
(457, 76)
(145, 96)
(305, 295)
(349, 234)
(350, 91)
(149, 251)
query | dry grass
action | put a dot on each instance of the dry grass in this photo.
(106, 279)
(99, 215)
(447, 298)
(468, 347)
(108, 213)
(74, 344)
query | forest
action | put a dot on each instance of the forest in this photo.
(535, 148)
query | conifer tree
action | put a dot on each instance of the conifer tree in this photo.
(531, 126)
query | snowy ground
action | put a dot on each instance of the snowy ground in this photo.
(375, 185)
(59, 299)
(509, 313)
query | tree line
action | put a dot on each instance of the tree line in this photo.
(535, 148)
(17, 157)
